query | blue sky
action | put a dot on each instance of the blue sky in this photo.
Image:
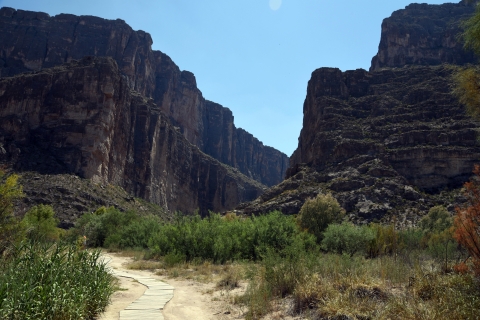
(252, 56)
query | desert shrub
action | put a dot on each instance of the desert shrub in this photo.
(53, 281)
(411, 239)
(217, 239)
(347, 238)
(40, 224)
(102, 224)
(135, 234)
(467, 221)
(10, 228)
(437, 220)
(385, 241)
(316, 214)
(287, 268)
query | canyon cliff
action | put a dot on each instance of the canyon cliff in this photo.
(424, 34)
(83, 118)
(388, 144)
(32, 41)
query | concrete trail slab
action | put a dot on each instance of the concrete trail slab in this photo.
(150, 305)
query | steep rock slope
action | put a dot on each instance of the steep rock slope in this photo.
(385, 143)
(31, 41)
(83, 118)
(423, 34)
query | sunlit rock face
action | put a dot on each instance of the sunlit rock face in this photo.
(424, 34)
(388, 143)
(83, 118)
(32, 41)
(391, 143)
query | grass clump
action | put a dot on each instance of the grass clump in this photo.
(53, 281)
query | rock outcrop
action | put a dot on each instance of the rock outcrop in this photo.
(424, 34)
(32, 41)
(83, 118)
(388, 143)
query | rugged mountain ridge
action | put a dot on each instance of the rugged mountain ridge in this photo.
(31, 41)
(387, 143)
(83, 118)
(423, 34)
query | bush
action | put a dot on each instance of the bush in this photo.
(102, 224)
(40, 225)
(220, 240)
(347, 238)
(385, 242)
(316, 214)
(135, 234)
(10, 228)
(437, 220)
(467, 221)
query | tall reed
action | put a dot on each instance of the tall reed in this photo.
(53, 281)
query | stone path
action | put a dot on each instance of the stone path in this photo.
(150, 305)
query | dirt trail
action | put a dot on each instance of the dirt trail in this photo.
(190, 300)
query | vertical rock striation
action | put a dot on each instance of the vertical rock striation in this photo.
(83, 118)
(31, 41)
(423, 34)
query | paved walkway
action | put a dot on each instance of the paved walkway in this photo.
(150, 305)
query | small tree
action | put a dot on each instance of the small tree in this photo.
(40, 224)
(467, 221)
(10, 228)
(316, 214)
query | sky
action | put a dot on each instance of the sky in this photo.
(254, 57)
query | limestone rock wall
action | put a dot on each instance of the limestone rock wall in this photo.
(31, 41)
(83, 118)
(390, 143)
(424, 34)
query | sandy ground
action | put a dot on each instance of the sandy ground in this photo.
(191, 301)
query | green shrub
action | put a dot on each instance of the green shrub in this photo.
(316, 214)
(102, 224)
(347, 238)
(40, 224)
(219, 240)
(10, 228)
(437, 220)
(386, 240)
(134, 234)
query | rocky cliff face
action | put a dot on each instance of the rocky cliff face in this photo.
(83, 118)
(391, 142)
(423, 34)
(32, 41)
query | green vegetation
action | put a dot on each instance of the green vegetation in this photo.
(326, 266)
(40, 224)
(10, 229)
(347, 238)
(41, 277)
(467, 79)
(53, 281)
(316, 214)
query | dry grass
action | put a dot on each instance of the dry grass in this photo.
(335, 286)
(340, 287)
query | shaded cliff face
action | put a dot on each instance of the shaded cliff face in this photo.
(424, 34)
(392, 142)
(83, 118)
(31, 41)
